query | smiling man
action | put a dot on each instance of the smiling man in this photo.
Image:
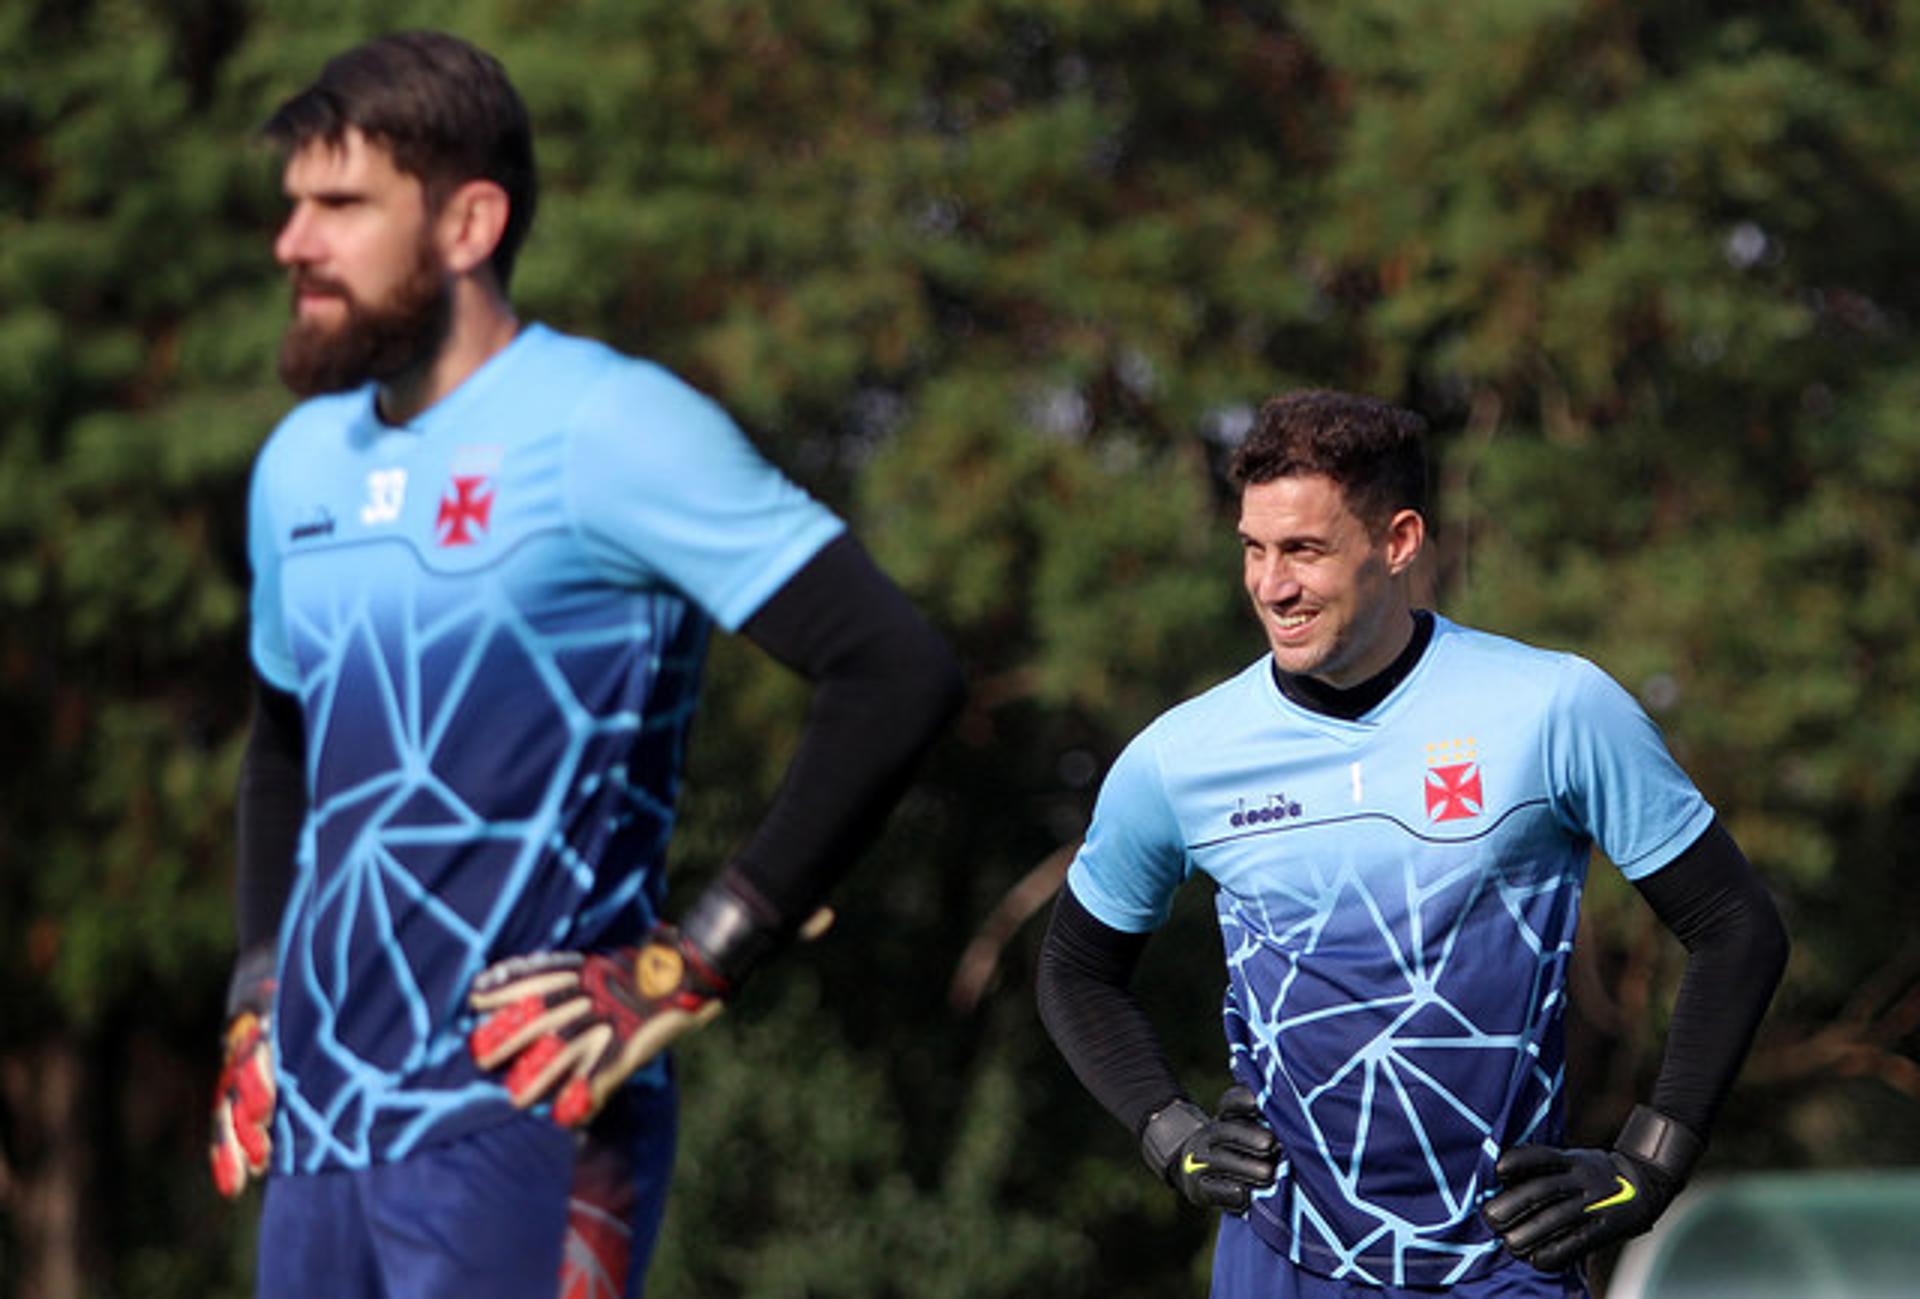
(486, 559)
(1397, 813)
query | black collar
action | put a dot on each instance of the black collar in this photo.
(1355, 702)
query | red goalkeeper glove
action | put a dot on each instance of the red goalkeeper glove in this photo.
(573, 1026)
(243, 1099)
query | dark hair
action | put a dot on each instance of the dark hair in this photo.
(1375, 451)
(445, 111)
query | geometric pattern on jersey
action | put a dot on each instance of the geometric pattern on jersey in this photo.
(495, 620)
(1245, 1267)
(1378, 1042)
(1397, 899)
(432, 864)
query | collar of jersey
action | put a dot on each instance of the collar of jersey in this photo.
(1372, 718)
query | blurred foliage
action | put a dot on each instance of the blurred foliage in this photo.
(1002, 282)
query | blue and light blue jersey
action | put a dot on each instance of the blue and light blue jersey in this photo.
(1397, 897)
(494, 618)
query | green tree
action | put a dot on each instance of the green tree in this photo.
(1001, 281)
(1651, 263)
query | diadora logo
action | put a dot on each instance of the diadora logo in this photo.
(1277, 807)
(318, 523)
(386, 493)
(1453, 781)
(467, 507)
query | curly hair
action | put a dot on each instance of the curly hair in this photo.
(1374, 450)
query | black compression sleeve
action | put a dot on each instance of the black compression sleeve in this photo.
(272, 803)
(1085, 967)
(885, 684)
(1716, 904)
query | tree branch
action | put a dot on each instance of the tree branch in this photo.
(975, 969)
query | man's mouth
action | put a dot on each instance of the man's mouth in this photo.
(307, 304)
(310, 294)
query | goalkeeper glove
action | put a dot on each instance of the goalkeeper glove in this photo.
(1215, 1162)
(243, 1098)
(1557, 1206)
(573, 1026)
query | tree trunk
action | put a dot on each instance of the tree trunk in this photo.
(45, 1168)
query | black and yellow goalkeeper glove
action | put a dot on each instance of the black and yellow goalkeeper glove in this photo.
(1216, 1162)
(243, 1099)
(1557, 1206)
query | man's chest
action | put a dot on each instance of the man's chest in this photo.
(450, 503)
(1446, 792)
(427, 550)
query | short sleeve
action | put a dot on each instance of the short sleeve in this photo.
(267, 629)
(1134, 858)
(1613, 778)
(664, 487)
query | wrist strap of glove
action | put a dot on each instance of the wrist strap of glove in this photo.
(727, 932)
(1169, 1128)
(251, 987)
(1652, 1138)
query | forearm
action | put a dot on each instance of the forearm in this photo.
(271, 805)
(1736, 951)
(1095, 1021)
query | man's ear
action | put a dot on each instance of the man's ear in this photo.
(1406, 534)
(471, 223)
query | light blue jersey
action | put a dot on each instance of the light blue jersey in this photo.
(494, 618)
(1397, 899)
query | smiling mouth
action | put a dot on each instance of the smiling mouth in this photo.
(1291, 621)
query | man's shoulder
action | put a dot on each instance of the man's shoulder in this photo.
(602, 375)
(315, 424)
(1508, 654)
(1518, 671)
(1200, 718)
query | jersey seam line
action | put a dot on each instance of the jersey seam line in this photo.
(408, 545)
(1370, 816)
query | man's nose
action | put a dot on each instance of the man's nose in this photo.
(295, 244)
(1275, 582)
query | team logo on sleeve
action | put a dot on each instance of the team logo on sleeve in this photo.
(1453, 781)
(465, 510)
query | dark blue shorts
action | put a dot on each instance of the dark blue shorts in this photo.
(1246, 1267)
(518, 1210)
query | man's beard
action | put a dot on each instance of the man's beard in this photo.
(373, 342)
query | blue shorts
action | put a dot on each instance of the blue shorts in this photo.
(522, 1209)
(1246, 1267)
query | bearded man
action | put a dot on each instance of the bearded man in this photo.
(486, 560)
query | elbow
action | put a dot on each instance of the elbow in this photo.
(1053, 990)
(932, 688)
(949, 686)
(1772, 944)
(1755, 942)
